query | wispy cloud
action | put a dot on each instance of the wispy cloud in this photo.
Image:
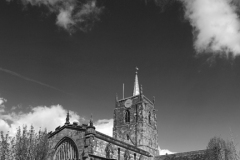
(71, 14)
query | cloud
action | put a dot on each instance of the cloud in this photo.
(2, 106)
(216, 25)
(4, 126)
(2, 100)
(49, 118)
(70, 14)
(164, 151)
(39, 117)
(64, 18)
(45, 117)
(104, 126)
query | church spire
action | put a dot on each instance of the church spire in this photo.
(136, 84)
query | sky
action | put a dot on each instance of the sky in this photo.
(57, 56)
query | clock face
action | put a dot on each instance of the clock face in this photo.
(128, 103)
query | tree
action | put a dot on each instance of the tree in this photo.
(4, 146)
(219, 149)
(25, 145)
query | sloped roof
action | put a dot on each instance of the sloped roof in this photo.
(193, 155)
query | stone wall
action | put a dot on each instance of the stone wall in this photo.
(91, 143)
(100, 150)
(147, 128)
(141, 131)
(118, 149)
(76, 135)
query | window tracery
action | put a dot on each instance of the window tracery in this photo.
(66, 149)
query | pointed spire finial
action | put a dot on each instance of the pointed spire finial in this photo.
(136, 84)
(116, 100)
(67, 118)
(91, 121)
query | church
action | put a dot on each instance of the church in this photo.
(135, 135)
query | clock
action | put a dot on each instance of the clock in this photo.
(128, 103)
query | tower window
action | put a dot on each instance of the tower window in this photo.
(128, 137)
(127, 116)
(149, 117)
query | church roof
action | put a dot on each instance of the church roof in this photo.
(122, 144)
(193, 155)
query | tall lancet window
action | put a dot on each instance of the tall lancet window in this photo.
(127, 116)
(149, 117)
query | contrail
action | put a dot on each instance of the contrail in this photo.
(32, 80)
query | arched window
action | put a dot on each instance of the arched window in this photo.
(66, 148)
(127, 116)
(149, 117)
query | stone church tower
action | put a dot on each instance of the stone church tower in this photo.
(135, 121)
(134, 135)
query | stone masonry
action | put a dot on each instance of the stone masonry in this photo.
(135, 135)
